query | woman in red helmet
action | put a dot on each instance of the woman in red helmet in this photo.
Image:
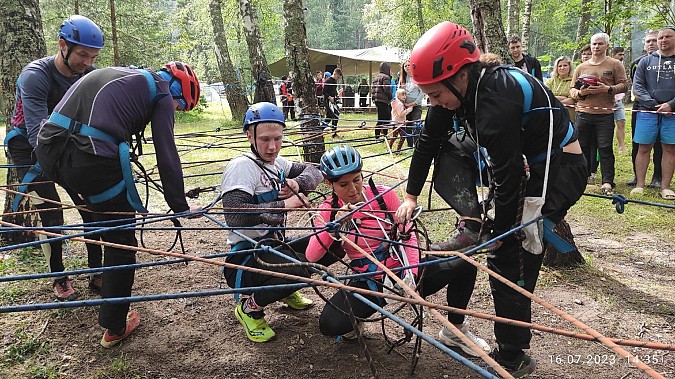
(84, 146)
(526, 133)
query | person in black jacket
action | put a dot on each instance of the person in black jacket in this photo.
(380, 92)
(330, 97)
(525, 62)
(492, 104)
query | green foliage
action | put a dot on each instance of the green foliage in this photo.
(397, 25)
(144, 38)
(22, 261)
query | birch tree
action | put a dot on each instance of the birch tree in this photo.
(233, 88)
(513, 11)
(527, 14)
(488, 27)
(297, 61)
(264, 91)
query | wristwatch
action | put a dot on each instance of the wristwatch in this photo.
(610, 90)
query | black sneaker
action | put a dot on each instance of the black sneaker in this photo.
(521, 367)
(632, 182)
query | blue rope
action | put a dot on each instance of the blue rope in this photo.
(620, 201)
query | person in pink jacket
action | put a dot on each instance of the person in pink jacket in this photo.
(373, 222)
(398, 117)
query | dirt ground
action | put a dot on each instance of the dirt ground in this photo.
(626, 291)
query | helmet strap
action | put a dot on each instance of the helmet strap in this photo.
(254, 145)
(69, 46)
(454, 91)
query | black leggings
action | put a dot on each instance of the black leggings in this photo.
(252, 279)
(331, 118)
(599, 129)
(89, 175)
(50, 214)
(457, 275)
(383, 118)
(568, 173)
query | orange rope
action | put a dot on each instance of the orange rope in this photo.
(607, 341)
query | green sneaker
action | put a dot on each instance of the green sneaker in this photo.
(297, 301)
(254, 324)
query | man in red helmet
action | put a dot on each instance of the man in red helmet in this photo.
(40, 87)
(84, 146)
(533, 151)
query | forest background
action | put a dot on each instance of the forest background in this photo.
(150, 33)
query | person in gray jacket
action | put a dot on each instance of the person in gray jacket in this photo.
(654, 87)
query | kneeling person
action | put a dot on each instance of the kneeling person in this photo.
(341, 166)
(258, 181)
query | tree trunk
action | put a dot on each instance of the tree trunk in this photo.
(233, 88)
(264, 90)
(553, 258)
(527, 13)
(582, 27)
(420, 18)
(113, 28)
(477, 24)
(21, 41)
(513, 9)
(304, 90)
(627, 33)
(488, 14)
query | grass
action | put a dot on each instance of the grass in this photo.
(119, 368)
(24, 348)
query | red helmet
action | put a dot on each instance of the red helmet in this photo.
(189, 84)
(586, 80)
(441, 52)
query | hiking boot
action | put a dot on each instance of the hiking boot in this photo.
(63, 289)
(96, 283)
(133, 320)
(297, 301)
(462, 239)
(254, 323)
(521, 367)
(632, 182)
(449, 339)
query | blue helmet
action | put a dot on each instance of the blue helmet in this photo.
(340, 160)
(81, 31)
(263, 112)
(327, 74)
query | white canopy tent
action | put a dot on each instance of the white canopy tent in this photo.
(353, 62)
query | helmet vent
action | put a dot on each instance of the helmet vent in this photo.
(438, 67)
(468, 45)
